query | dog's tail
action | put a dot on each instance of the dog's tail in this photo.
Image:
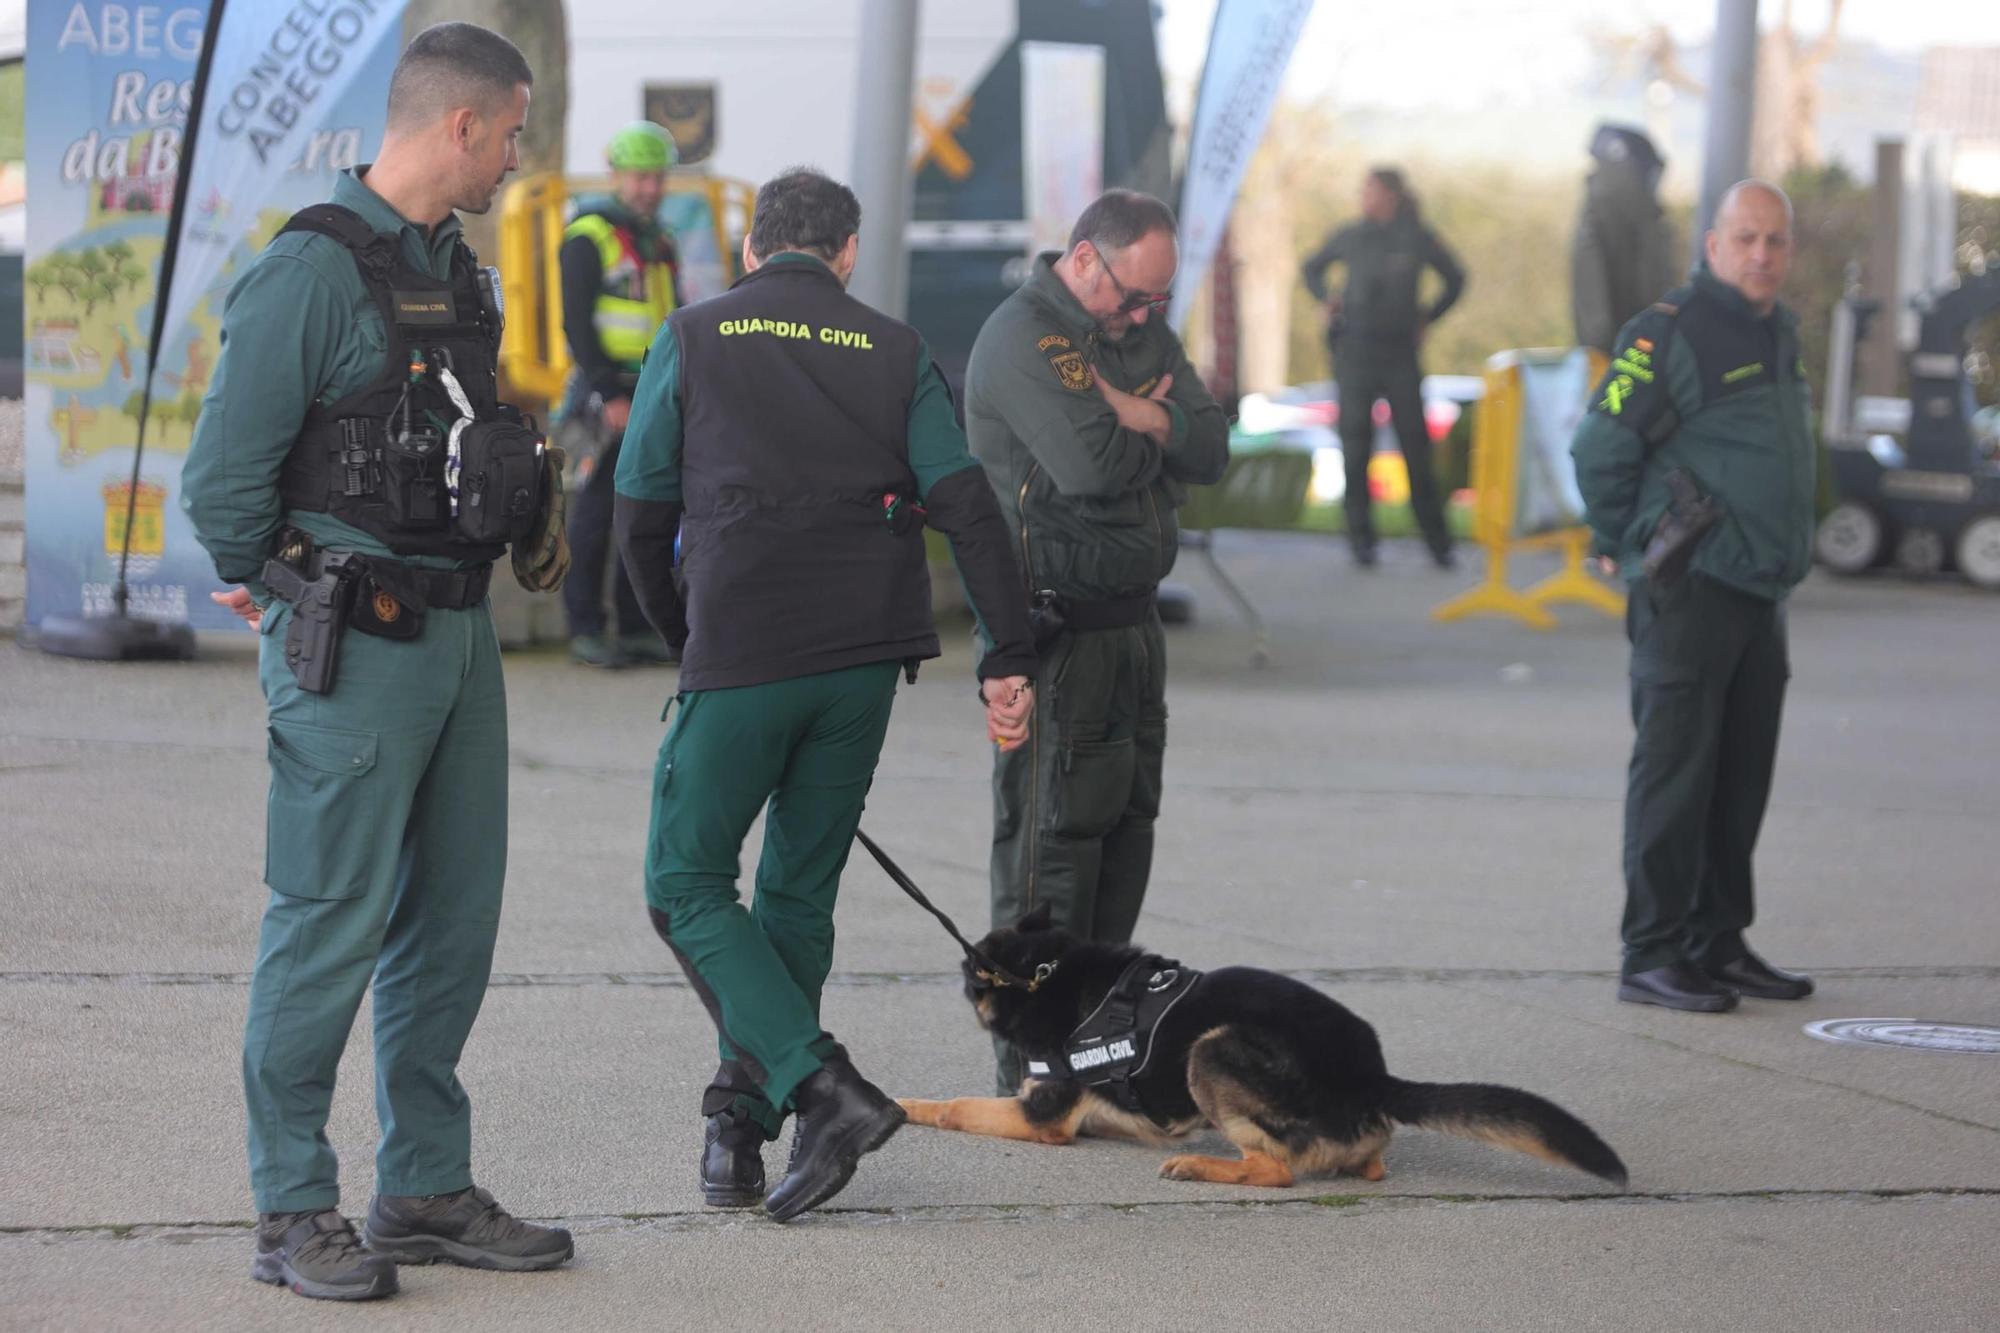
(1505, 1118)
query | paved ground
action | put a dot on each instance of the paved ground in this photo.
(1422, 819)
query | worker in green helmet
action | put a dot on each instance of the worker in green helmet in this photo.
(619, 283)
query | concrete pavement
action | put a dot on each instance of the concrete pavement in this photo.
(1422, 819)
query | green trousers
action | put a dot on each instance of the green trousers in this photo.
(1709, 667)
(1073, 808)
(385, 855)
(804, 751)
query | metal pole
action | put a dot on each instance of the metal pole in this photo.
(1732, 101)
(884, 93)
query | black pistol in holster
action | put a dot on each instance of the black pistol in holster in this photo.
(320, 604)
(1689, 516)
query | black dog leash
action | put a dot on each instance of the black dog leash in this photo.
(992, 971)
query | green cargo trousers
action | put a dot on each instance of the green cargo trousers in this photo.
(807, 749)
(385, 855)
(1073, 808)
(1709, 667)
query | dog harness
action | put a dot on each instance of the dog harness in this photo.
(1110, 1048)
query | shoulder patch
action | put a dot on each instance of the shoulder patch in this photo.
(1074, 372)
(1053, 340)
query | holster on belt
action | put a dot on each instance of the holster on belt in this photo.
(332, 591)
(320, 590)
(1689, 516)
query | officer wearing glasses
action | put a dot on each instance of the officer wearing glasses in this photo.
(1091, 425)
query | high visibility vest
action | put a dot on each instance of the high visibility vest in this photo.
(636, 293)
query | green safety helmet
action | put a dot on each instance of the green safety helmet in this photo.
(642, 146)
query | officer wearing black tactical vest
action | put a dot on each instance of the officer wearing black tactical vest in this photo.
(354, 471)
(1696, 463)
(1091, 425)
(786, 448)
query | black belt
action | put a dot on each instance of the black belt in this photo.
(1108, 612)
(442, 589)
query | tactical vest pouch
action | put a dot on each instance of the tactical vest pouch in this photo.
(412, 479)
(500, 482)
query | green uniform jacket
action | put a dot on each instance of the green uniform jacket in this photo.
(1723, 392)
(298, 326)
(1091, 505)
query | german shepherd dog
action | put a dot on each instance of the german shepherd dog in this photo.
(1293, 1079)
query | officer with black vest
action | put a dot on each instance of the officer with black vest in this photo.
(786, 448)
(354, 472)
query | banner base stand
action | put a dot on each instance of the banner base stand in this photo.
(1575, 584)
(1572, 584)
(115, 638)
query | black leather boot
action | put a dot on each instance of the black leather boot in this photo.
(1752, 976)
(840, 1117)
(732, 1162)
(1677, 986)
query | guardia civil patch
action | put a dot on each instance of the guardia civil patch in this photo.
(1074, 372)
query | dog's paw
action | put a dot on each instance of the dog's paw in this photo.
(1184, 1168)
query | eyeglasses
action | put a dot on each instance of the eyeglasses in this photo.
(1130, 301)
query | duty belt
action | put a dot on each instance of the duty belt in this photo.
(1108, 612)
(441, 589)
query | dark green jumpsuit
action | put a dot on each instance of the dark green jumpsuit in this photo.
(387, 835)
(1092, 511)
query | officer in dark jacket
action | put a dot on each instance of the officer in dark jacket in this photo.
(1698, 449)
(1375, 329)
(1091, 425)
(786, 447)
(315, 468)
(1622, 255)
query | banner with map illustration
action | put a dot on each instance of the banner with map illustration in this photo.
(296, 92)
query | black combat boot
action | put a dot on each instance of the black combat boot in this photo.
(732, 1161)
(840, 1117)
(318, 1255)
(465, 1227)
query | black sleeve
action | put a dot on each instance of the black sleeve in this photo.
(962, 507)
(582, 276)
(1446, 263)
(1331, 251)
(646, 530)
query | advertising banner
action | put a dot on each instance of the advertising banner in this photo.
(1248, 50)
(296, 92)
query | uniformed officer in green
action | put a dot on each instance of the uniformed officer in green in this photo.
(388, 802)
(1375, 329)
(1091, 425)
(1707, 398)
(786, 448)
(619, 283)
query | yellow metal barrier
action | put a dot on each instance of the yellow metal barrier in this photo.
(1496, 481)
(534, 355)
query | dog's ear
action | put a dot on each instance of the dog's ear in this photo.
(1042, 918)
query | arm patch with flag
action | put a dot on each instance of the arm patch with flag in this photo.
(1634, 391)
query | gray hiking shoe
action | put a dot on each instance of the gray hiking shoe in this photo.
(318, 1255)
(467, 1228)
